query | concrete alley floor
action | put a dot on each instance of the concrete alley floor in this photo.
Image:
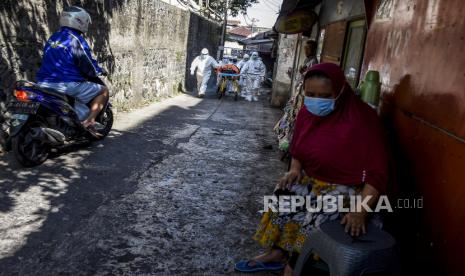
(174, 190)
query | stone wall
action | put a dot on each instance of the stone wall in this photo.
(144, 44)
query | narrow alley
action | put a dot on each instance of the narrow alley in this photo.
(232, 137)
(175, 189)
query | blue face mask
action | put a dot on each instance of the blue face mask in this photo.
(319, 106)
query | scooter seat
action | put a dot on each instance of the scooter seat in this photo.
(49, 91)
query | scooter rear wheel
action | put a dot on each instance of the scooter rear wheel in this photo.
(28, 151)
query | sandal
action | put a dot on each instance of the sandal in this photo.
(243, 266)
(91, 129)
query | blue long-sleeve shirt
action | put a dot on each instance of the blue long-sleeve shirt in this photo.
(67, 58)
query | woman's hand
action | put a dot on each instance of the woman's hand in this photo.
(355, 223)
(292, 176)
(289, 179)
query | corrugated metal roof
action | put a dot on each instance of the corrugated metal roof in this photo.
(240, 31)
(256, 41)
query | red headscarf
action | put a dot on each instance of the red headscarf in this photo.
(345, 147)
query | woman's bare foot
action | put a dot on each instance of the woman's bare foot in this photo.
(288, 271)
(275, 255)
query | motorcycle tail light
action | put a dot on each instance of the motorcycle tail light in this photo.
(25, 96)
(21, 95)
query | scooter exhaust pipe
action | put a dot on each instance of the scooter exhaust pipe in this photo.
(48, 135)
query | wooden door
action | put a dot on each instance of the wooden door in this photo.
(333, 44)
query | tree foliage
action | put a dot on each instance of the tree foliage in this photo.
(235, 6)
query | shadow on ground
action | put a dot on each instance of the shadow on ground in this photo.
(71, 227)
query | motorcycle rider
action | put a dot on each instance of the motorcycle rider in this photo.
(204, 64)
(254, 71)
(67, 65)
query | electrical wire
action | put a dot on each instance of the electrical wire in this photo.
(244, 15)
(188, 4)
(272, 3)
(277, 3)
(248, 16)
(266, 7)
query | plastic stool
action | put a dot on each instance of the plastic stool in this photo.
(347, 256)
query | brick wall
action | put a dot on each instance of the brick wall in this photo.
(144, 44)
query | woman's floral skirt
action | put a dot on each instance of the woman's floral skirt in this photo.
(289, 230)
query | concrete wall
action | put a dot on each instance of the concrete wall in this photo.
(144, 44)
(281, 81)
(202, 34)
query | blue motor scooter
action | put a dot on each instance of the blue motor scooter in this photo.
(43, 119)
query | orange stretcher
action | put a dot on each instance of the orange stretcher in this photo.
(228, 73)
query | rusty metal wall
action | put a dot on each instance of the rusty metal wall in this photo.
(418, 47)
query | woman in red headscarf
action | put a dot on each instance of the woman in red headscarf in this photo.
(337, 149)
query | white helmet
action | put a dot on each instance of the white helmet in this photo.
(246, 56)
(204, 51)
(76, 18)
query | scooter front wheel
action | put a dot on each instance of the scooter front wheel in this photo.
(106, 120)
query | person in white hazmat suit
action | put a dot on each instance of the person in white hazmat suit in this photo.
(204, 64)
(243, 61)
(241, 64)
(232, 60)
(254, 72)
(224, 61)
(221, 63)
